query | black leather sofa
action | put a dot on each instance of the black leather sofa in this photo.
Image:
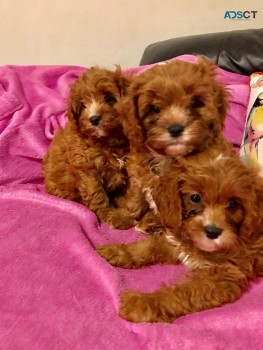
(238, 51)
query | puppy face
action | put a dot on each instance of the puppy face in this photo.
(179, 107)
(92, 101)
(221, 204)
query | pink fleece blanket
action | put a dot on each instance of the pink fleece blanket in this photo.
(55, 292)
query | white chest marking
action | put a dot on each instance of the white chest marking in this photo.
(190, 261)
(148, 196)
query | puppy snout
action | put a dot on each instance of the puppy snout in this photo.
(212, 231)
(95, 120)
(175, 130)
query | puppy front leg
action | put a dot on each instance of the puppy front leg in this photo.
(130, 207)
(154, 249)
(208, 288)
(93, 196)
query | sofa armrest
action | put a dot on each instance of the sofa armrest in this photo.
(238, 51)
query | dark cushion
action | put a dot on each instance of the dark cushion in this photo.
(239, 51)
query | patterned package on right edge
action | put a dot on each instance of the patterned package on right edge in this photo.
(252, 144)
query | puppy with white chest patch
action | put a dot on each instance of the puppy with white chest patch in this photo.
(85, 162)
(218, 204)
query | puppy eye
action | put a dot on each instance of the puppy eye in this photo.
(154, 109)
(233, 203)
(195, 198)
(196, 103)
(109, 99)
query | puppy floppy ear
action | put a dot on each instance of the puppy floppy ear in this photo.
(168, 201)
(253, 223)
(75, 107)
(258, 183)
(221, 96)
(132, 126)
(122, 81)
(220, 92)
(75, 104)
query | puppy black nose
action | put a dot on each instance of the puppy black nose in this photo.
(175, 130)
(212, 231)
(95, 120)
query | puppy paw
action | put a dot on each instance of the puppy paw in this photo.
(120, 219)
(115, 254)
(141, 307)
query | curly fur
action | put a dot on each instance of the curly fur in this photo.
(220, 240)
(85, 161)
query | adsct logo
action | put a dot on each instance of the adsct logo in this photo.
(240, 14)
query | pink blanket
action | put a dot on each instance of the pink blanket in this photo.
(55, 292)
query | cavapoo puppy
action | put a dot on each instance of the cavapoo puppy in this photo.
(220, 240)
(172, 110)
(85, 162)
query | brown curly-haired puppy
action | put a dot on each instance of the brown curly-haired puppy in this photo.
(220, 240)
(172, 110)
(85, 162)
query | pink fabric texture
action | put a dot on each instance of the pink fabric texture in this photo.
(55, 292)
